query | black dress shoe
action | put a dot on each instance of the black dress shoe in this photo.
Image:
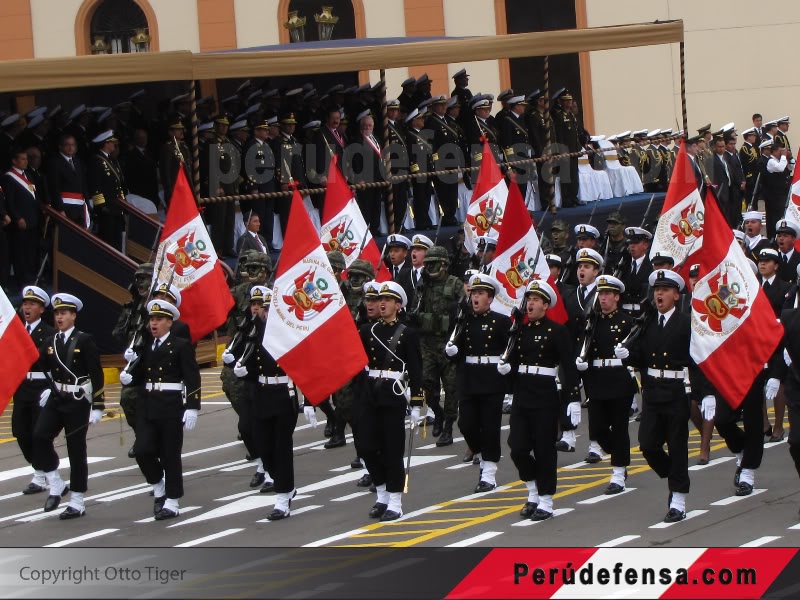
(445, 439)
(614, 488)
(71, 513)
(540, 515)
(357, 464)
(563, 446)
(131, 453)
(438, 426)
(528, 510)
(53, 500)
(638, 417)
(257, 479)
(391, 515)
(373, 488)
(376, 512)
(768, 431)
(33, 488)
(365, 481)
(277, 514)
(736, 477)
(483, 486)
(158, 504)
(337, 441)
(674, 515)
(476, 460)
(165, 514)
(468, 457)
(249, 458)
(744, 489)
(267, 488)
(592, 458)
(329, 428)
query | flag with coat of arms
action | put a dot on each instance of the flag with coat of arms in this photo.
(485, 212)
(793, 205)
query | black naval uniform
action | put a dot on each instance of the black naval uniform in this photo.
(107, 188)
(578, 307)
(446, 137)
(635, 276)
(421, 158)
(70, 361)
(159, 425)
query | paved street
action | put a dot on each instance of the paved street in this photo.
(219, 509)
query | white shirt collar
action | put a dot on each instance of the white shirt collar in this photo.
(67, 158)
(667, 315)
(589, 287)
(33, 325)
(67, 333)
(162, 339)
(769, 281)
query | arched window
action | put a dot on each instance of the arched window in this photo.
(119, 26)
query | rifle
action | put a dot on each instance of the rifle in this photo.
(137, 308)
(754, 199)
(252, 334)
(591, 214)
(441, 213)
(647, 212)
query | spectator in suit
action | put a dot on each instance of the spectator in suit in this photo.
(140, 168)
(22, 204)
(364, 158)
(736, 170)
(66, 182)
(251, 239)
(721, 180)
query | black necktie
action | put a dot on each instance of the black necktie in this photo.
(61, 338)
(416, 277)
(156, 345)
(71, 164)
(766, 285)
(661, 322)
(28, 327)
(583, 294)
(396, 272)
(786, 259)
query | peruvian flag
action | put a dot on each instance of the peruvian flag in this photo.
(679, 232)
(343, 226)
(14, 342)
(485, 215)
(732, 320)
(518, 260)
(309, 330)
(793, 207)
(189, 253)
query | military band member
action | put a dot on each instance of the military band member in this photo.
(608, 383)
(74, 401)
(481, 389)
(542, 348)
(26, 399)
(166, 372)
(786, 233)
(107, 189)
(394, 375)
(272, 407)
(637, 270)
(421, 154)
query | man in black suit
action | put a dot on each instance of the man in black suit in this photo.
(365, 166)
(107, 186)
(141, 169)
(23, 206)
(251, 239)
(327, 143)
(774, 287)
(258, 169)
(637, 270)
(722, 180)
(66, 182)
(786, 236)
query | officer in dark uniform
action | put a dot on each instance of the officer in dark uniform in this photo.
(446, 139)
(107, 189)
(394, 379)
(481, 388)
(477, 128)
(786, 233)
(398, 261)
(224, 162)
(272, 410)
(586, 236)
(461, 89)
(637, 270)
(748, 157)
(26, 399)
(567, 134)
(289, 164)
(774, 287)
(786, 365)
(514, 139)
(421, 161)
(398, 154)
(608, 383)
(172, 158)
(258, 167)
(73, 401)
(166, 373)
(538, 352)
(754, 242)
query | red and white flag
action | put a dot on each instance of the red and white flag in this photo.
(518, 260)
(343, 226)
(485, 213)
(733, 324)
(188, 251)
(793, 206)
(309, 330)
(17, 349)
(679, 232)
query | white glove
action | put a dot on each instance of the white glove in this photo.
(239, 370)
(621, 352)
(130, 355)
(786, 358)
(708, 407)
(189, 419)
(574, 413)
(125, 378)
(503, 368)
(415, 416)
(227, 357)
(451, 349)
(44, 396)
(95, 416)
(311, 415)
(771, 389)
(581, 364)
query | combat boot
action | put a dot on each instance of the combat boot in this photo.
(438, 424)
(337, 439)
(446, 439)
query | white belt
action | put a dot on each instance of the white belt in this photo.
(273, 380)
(537, 370)
(376, 374)
(68, 387)
(482, 360)
(665, 374)
(33, 375)
(631, 307)
(73, 201)
(163, 387)
(607, 362)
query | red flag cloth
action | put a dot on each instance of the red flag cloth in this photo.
(793, 206)
(343, 226)
(485, 212)
(17, 349)
(733, 324)
(518, 260)
(679, 232)
(309, 330)
(187, 248)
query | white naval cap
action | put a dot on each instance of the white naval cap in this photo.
(738, 234)
(666, 278)
(638, 233)
(67, 302)
(10, 120)
(586, 230)
(588, 255)
(787, 226)
(609, 283)
(421, 241)
(481, 281)
(170, 291)
(35, 293)
(261, 293)
(393, 290)
(162, 308)
(106, 136)
(398, 240)
(544, 290)
(752, 215)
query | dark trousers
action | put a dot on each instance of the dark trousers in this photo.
(667, 423)
(775, 205)
(448, 199)
(76, 214)
(792, 391)
(23, 422)
(480, 418)
(608, 426)
(422, 201)
(110, 226)
(5, 262)
(273, 439)
(221, 217)
(369, 201)
(24, 249)
(569, 185)
(381, 432)
(73, 417)
(749, 442)
(128, 398)
(282, 207)
(245, 424)
(158, 452)
(399, 205)
(535, 430)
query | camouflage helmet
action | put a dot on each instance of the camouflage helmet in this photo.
(616, 217)
(437, 253)
(144, 270)
(559, 225)
(259, 258)
(364, 267)
(336, 259)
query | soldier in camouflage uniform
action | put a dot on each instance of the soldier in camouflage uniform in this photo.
(614, 245)
(436, 317)
(123, 333)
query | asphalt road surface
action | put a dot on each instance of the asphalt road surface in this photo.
(220, 509)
